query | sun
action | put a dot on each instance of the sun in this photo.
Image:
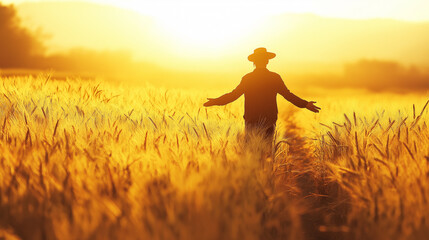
(206, 28)
(202, 28)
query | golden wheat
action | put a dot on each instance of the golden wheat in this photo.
(89, 161)
(85, 160)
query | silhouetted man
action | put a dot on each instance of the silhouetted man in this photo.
(260, 89)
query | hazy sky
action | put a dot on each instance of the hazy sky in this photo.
(222, 33)
(411, 10)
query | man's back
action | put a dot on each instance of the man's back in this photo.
(260, 90)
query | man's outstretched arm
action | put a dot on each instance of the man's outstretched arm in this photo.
(297, 101)
(227, 98)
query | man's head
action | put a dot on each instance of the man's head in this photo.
(260, 63)
(260, 57)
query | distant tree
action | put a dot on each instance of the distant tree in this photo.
(19, 47)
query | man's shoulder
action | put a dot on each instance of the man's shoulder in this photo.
(276, 75)
(248, 75)
(266, 72)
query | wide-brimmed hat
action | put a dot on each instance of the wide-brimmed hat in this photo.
(260, 53)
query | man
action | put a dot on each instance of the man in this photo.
(260, 89)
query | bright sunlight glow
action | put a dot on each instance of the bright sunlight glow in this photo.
(206, 28)
(197, 28)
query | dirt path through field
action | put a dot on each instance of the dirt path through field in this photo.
(323, 218)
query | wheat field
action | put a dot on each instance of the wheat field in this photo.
(94, 160)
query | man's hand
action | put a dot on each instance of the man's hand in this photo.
(210, 102)
(310, 106)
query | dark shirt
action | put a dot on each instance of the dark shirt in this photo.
(260, 89)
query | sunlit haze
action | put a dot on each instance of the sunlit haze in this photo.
(413, 10)
(308, 36)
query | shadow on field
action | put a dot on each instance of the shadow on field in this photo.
(324, 216)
